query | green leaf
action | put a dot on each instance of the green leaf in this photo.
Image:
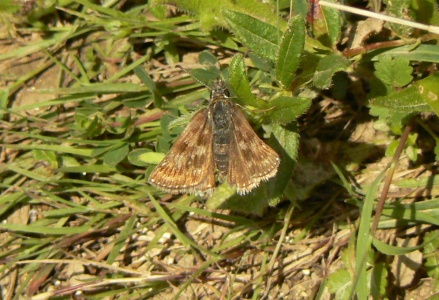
(86, 152)
(9, 6)
(225, 197)
(42, 230)
(208, 12)
(4, 95)
(378, 280)
(147, 80)
(340, 283)
(436, 151)
(429, 91)
(402, 10)
(150, 158)
(206, 76)
(288, 138)
(88, 169)
(47, 156)
(391, 148)
(412, 153)
(290, 51)
(393, 250)
(239, 82)
(425, 11)
(100, 87)
(333, 23)
(394, 71)
(426, 211)
(220, 196)
(431, 254)
(417, 98)
(364, 237)
(260, 37)
(287, 109)
(136, 157)
(207, 58)
(285, 141)
(408, 100)
(422, 52)
(260, 63)
(115, 156)
(326, 69)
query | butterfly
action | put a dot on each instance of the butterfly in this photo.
(218, 140)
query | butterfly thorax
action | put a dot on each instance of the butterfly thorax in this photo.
(221, 113)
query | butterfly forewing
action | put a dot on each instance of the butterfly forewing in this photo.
(251, 160)
(189, 166)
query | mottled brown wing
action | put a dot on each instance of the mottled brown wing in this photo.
(189, 166)
(251, 160)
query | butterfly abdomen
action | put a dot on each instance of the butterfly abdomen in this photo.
(222, 131)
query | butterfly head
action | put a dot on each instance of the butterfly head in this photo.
(219, 90)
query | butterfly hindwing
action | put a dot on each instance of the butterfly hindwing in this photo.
(251, 160)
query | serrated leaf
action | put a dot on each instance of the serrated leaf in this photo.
(409, 99)
(288, 138)
(333, 23)
(326, 69)
(340, 283)
(239, 82)
(394, 71)
(260, 37)
(290, 51)
(205, 10)
(287, 109)
(209, 14)
(402, 10)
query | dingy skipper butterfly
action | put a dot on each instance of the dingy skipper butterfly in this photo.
(218, 138)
